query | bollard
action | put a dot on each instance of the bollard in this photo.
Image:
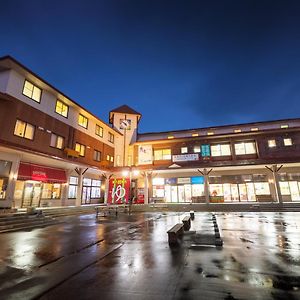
(219, 242)
(192, 214)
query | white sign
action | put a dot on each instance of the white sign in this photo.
(183, 180)
(185, 157)
(145, 155)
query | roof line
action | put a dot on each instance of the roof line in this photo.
(222, 126)
(51, 86)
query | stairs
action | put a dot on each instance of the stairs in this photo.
(21, 221)
(67, 211)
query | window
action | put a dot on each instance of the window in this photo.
(110, 137)
(24, 130)
(287, 142)
(57, 141)
(32, 91)
(184, 150)
(109, 158)
(163, 154)
(210, 133)
(73, 185)
(97, 155)
(61, 108)
(170, 137)
(245, 148)
(51, 191)
(82, 121)
(254, 129)
(271, 143)
(80, 149)
(237, 130)
(195, 134)
(220, 150)
(284, 126)
(99, 130)
(197, 149)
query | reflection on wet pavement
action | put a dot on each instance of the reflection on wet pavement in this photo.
(260, 258)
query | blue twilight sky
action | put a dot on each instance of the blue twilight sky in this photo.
(182, 64)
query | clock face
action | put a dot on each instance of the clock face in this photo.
(125, 124)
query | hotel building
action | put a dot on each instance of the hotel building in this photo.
(54, 152)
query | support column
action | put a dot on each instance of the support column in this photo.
(65, 189)
(80, 173)
(106, 189)
(205, 173)
(275, 170)
(146, 187)
(12, 184)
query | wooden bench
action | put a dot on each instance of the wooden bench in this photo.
(111, 209)
(175, 232)
(186, 223)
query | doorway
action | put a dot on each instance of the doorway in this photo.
(32, 194)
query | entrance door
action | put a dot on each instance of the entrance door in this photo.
(86, 195)
(32, 194)
(174, 196)
(235, 192)
(180, 193)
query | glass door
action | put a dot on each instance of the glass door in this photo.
(251, 191)
(174, 195)
(243, 192)
(188, 192)
(235, 192)
(168, 193)
(294, 190)
(32, 194)
(227, 192)
(36, 194)
(28, 189)
(180, 193)
(86, 195)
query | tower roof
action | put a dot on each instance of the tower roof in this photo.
(124, 109)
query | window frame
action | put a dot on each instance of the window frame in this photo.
(220, 145)
(56, 139)
(163, 156)
(34, 86)
(269, 143)
(111, 137)
(64, 104)
(245, 148)
(87, 121)
(81, 146)
(96, 154)
(101, 130)
(287, 145)
(24, 131)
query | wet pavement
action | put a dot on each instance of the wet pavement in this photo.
(128, 257)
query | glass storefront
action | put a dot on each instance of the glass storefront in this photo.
(91, 190)
(290, 186)
(30, 192)
(230, 188)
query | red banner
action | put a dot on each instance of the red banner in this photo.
(118, 191)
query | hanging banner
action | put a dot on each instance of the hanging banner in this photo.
(118, 191)
(145, 155)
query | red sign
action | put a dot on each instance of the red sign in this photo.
(29, 171)
(118, 190)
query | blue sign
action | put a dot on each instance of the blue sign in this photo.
(205, 150)
(171, 180)
(197, 180)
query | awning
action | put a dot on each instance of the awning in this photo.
(41, 173)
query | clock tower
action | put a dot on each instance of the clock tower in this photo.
(125, 120)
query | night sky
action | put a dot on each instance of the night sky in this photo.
(182, 64)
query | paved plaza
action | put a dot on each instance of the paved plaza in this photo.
(128, 257)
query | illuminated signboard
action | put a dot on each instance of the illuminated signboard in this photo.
(205, 150)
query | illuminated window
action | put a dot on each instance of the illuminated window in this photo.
(287, 142)
(171, 137)
(80, 149)
(210, 133)
(97, 155)
(61, 108)
(197, 149)
(24, 130)
(99, 130)
(111, 137)
(32, 91)
(82, 121)
(245, 148)
(271, 143)
(254, 129)
(57, 141)
(184, 150)
(284, 126)
(237, 130)
(195, 134)
(220, 150)
(111, 158)
(163, 154)
(158, 181)
(73, 185)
